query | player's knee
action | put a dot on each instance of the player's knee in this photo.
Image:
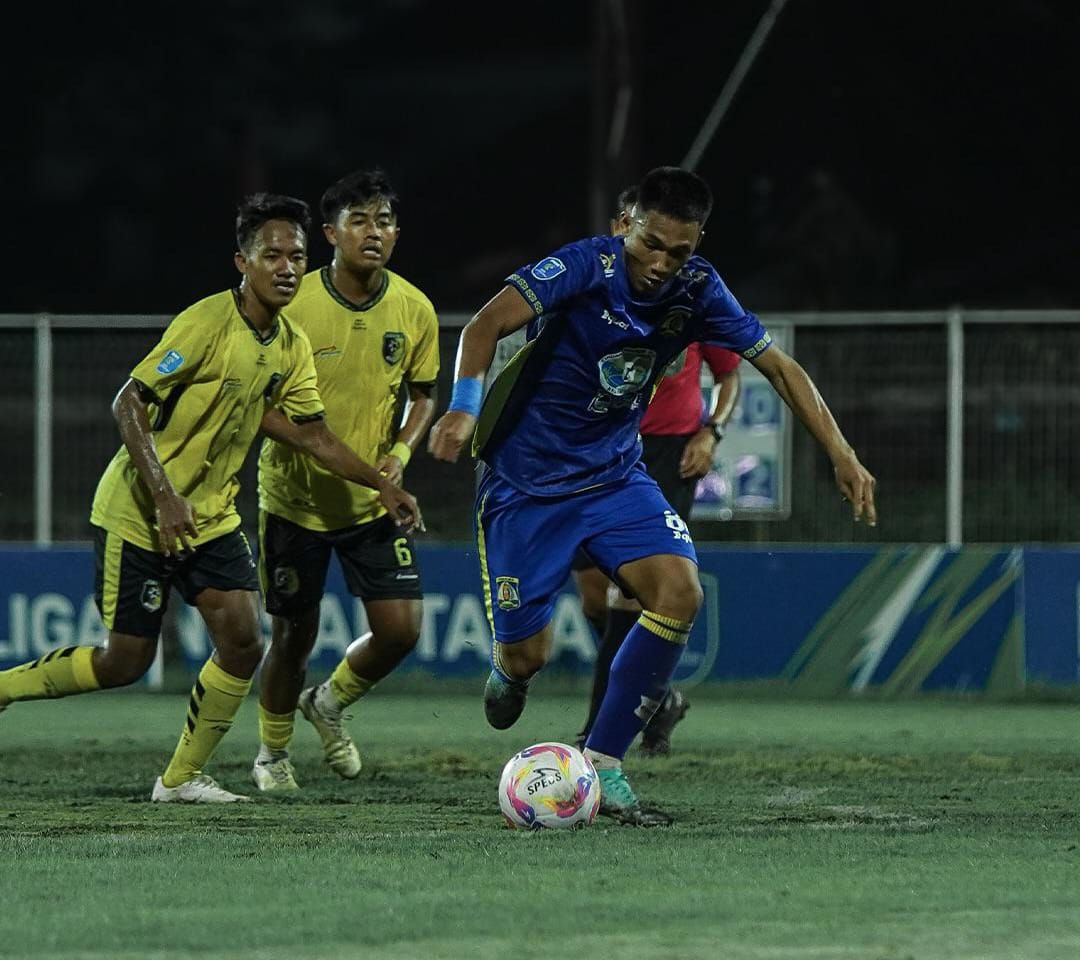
(121, 663)
(681, 597)
(521, 660)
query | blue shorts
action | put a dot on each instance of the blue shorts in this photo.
(527, 544)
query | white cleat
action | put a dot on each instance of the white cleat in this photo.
(275, 776)
(200, 789)
(339, 751)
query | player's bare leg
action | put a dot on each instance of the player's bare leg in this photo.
(232, 619)
(513, 666)
(395, 629)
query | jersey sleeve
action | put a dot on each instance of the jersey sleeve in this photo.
(550, 282)
(728, 325)
(719, 359)
(297, 393)
(424, 362)
(176, 358)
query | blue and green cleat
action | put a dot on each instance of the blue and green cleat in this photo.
(504, 700)
(618, 801)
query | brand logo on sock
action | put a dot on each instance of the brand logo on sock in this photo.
(506, 593)
(152, 596)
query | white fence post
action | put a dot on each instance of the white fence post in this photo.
(954, 452)
(43, 418)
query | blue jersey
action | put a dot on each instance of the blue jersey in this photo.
(564, 414)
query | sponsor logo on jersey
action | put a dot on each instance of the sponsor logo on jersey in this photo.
(152, 596)
(622, 324)
(758, 347)
(327, 353)
(231, 383)
(548, 268)
(627, 371)
(393, 347)
(171, 362)
(507, 594)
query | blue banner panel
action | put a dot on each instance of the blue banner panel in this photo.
(826, 621)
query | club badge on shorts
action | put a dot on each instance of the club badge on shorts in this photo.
(506, 593)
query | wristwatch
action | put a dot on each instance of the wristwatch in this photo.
(717, 429)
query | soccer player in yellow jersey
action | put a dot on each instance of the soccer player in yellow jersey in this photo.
(374, 335)
(164, 512)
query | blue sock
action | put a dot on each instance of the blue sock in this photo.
(639, 679)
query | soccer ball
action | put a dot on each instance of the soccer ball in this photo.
(549, 785)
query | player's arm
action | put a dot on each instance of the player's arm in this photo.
(501, 316)
(418, 414)
(315, 439)
(175, 516)
(697, 455)
(798, 391)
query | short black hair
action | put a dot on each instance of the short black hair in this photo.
(257, 208)
(679, 193)
(357, 189)
(626, 199)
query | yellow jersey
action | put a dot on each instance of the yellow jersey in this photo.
(211, 376)
(363, 354)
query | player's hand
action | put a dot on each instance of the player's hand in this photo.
(451, 432)
(391, 468)
(857, 485)
(402, 507)
(176, 525)
(696, 459)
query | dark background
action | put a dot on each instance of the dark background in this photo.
(877, 156)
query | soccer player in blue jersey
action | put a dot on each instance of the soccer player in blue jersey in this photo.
(558, 436)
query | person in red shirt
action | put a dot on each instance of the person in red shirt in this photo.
(678, 437)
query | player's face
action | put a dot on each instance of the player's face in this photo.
(657, 247)
(275, 263)
(363, 237)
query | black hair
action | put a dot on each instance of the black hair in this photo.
(258, 208)
(357, 189)
(679, 193)
(626, 199)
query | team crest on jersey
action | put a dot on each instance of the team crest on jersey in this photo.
(607, 261)
(171, 362)
(627, 371)
(507, 594)
(152, 596)
(393, 347)
(674, 321)
(548, 268)
(286, 580)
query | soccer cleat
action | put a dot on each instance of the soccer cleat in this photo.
(200, 789)
(504, 700)
(274, 776)
(618, 801)
(656, 737)
(339, 751)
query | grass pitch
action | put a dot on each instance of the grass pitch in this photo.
(883, 831)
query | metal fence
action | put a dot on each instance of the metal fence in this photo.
(970, 421)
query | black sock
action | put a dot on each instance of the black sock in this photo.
(619, 623)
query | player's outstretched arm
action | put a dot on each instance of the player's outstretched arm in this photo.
(417, 416)
(319, 442)
(503, 314)
(798, 391)
(175, 516)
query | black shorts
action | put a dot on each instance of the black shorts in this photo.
(377, 558)
(131, 585)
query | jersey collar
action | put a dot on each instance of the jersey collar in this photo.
(264, 338)
(328, 284)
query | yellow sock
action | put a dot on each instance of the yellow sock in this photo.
(59, 673)
(215, 698)
(275, 729)
(345, 686)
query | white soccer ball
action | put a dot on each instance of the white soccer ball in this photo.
(549, 785)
